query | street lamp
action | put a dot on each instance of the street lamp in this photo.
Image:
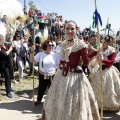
(24, 3)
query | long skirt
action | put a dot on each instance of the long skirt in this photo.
(111, 88)
(71, 98)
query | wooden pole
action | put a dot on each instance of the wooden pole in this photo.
(101, 78)
(33, 88)
(108, 32)
(113, 33)
(105, 27)
(33, 68)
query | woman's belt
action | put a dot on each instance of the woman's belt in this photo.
(73, 70)
(47, 75)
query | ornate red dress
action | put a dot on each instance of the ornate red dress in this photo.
(111, 80)
(70, 96)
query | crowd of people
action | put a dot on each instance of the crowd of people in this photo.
(68, 64)
(21, 36)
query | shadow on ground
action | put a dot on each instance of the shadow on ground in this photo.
(25, 106)
(111, 115)
(28, 92)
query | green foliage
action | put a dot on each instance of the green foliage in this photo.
(32, 6)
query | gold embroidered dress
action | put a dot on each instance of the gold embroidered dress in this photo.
(70, 96)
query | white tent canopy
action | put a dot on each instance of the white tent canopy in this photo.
(2, 29)
(10, 8)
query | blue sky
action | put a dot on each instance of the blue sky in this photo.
(81, 11)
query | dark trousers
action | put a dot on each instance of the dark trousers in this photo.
(12, 70)
(1, 72)
(7, 70)
(43, 84)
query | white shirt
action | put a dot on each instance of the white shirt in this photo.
(26, 45)
(48, 63)
(18, 44)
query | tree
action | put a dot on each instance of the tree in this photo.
(32, 6)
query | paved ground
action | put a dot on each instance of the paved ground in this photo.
(21, 109)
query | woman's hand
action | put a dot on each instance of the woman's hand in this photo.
(99, 57)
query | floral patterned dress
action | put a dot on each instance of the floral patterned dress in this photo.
(70, 96)
(111, 80)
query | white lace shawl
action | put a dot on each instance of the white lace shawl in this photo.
(108, 52)
(65, 52)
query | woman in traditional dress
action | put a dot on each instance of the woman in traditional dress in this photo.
(70, 96)
(111, 76)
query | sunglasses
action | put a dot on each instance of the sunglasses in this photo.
(17, 36)
(50, 45)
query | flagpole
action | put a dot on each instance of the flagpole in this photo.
(100, 63)
(33, 65)
(113, 33)
(106, 27)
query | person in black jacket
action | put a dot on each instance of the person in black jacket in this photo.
(8, 43)
(6, 65)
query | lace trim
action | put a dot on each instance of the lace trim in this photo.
(108, 52)
(65, 52)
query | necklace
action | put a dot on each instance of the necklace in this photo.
(69, 41)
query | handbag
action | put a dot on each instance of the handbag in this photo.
(22, 51)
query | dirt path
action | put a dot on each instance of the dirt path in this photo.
(21, 109)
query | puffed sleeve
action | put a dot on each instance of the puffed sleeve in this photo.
(85, 56)
(110, 60)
